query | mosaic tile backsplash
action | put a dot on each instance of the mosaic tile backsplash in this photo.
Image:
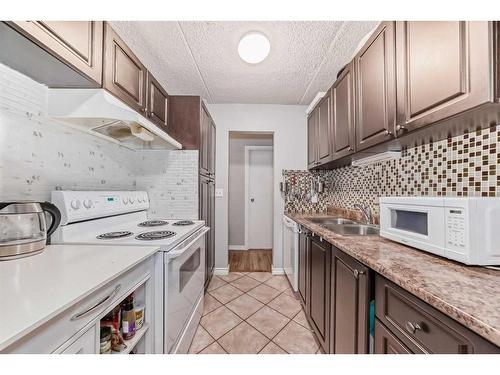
(466, 165)
(38, 154)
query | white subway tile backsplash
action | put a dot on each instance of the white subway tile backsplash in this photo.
(38, 154)
(173, 194)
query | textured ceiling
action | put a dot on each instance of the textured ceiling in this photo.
(201, 58)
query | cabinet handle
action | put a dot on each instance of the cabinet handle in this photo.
(357, 273)
(387, 132)
(350, 148)
(98, 304)
(400, 128)
(412, 327)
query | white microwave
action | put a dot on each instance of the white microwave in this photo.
(463, 229)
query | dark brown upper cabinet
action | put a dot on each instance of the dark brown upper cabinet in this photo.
(205, 142)
(77, 43)
(211, 148)
(324, 130)
(124, 75)
(443, 68)
(350, 304)
(319, 292)
(342, 108)
(375, 74)
(312, 138)
(157, 103)
(193, 126)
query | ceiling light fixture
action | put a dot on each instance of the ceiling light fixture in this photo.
(254, 47)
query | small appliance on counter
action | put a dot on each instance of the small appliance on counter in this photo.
(464, 229)
(23, 228)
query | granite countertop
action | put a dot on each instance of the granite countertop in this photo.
(35, 289)
(470, 295)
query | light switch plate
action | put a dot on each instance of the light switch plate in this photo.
(219, 193)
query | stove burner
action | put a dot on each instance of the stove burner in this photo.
(114, 235)
(183, 222)
(153, 223)
(155, 235)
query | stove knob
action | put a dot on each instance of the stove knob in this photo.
(140, 199)
(87, 203)
(125, 201)
(131, 200)
(75, 204)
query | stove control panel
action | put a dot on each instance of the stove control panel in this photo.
(86, 205)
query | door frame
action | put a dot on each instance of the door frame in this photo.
(248, 149)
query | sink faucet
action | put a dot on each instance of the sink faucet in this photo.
(367, 214)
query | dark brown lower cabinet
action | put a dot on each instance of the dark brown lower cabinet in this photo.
(386, 342)
(304, 267)
(420, 327)
(207, 208)
(319, 297)
(350, 304)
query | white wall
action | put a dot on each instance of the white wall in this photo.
(288, 125)
(236, 186)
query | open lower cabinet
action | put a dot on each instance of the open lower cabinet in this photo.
(123, 328)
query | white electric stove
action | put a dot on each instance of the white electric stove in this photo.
(120, 218)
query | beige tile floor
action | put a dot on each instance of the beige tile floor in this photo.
(250, 313)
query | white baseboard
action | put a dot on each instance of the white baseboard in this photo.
(277, 271)
(237, 247)
(221, 271)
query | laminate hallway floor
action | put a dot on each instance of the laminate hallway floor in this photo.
(250, 260)
(252, 313)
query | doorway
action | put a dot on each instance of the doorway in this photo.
(251, 201)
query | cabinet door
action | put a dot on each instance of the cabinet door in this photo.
(350, 305)
(312, 139)
(342, 99)
(205, 141)
(386, 342)
(211, 220)
(443, 69)
(204, 215)
(376, 88)
(324, 134)
(320, 290)
(124, 75)
(84, 344)
(211, 149)
(304, 269)
(78, 43)
(157, 103)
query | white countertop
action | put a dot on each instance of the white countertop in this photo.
(35, 289)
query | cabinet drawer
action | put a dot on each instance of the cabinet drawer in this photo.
(386, 342)
(421, 327)
(85, 343)
(50, 336)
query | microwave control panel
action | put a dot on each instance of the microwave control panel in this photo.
(455, 227)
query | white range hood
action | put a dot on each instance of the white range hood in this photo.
(98, 112)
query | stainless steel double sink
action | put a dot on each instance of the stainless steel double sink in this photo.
(346, 227)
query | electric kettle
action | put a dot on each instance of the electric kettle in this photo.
(23, 228)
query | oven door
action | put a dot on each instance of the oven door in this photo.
(184, 285)
(418, 226)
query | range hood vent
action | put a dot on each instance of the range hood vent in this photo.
(97, 112)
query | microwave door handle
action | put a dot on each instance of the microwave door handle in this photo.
(178, 252)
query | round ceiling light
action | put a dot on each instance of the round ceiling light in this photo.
(254, 47)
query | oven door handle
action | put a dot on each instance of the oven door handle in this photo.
(178, 252)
